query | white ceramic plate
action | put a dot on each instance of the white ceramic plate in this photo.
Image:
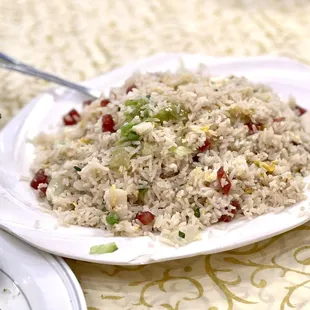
(33, 280)
(18, 201)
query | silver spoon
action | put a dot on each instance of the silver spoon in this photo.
(10, 63)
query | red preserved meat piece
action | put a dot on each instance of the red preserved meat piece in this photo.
(107, 123)
(224, 182)
(145, 218)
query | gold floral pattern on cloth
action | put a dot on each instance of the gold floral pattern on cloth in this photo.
(271, 274)
(82, 39)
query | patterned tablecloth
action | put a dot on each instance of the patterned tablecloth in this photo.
(80, 39)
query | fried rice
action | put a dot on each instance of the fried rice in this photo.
(172, 154)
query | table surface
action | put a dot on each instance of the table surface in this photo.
(78, 40)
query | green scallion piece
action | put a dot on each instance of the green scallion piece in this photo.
(135, 102)
(112, 218)
(127, 134)
(197, 212)
(138, 107)
(132, 136)
(103, 248)
(77, 168)
(181, 234)
(126, 129)
(142, 193)
(171, 113)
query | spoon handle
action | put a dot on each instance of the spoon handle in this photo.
(10, 63)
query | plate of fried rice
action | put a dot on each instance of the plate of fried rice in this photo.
(182, 155)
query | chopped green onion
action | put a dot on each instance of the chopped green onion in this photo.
(77, 168)
(142, 193)
(129, 117)
(171, 113)
(112, 219)
(126, 129)
(197, 212)
(127, 134)
(180, 151)
(167, 114)
(132, 136)
(138, 106)
(135, 102)
(181, 234)
(145, 114)
(119, 158)
(103, 248)
(148, 96)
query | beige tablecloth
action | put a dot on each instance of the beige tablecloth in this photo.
(81, 39)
